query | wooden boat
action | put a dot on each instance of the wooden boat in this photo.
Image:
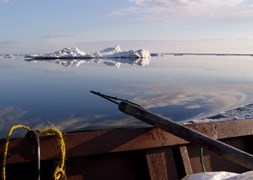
(167, 151)
(147, 153)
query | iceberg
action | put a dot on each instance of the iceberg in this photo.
(65, 53)
(108, 52)
(141, 53)
(117, 53)
(8, 56)
(112, 56)
(75, 53)
(68, 52)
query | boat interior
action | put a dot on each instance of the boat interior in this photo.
(128, 154)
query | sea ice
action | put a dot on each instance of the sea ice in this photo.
(242, 112)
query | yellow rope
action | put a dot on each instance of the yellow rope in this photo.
(59, 172)
(6, 145)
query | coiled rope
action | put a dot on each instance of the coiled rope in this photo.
(6, 145)
(59, 172)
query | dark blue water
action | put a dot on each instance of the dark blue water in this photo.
(181, 88)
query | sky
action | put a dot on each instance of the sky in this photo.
(33, 26)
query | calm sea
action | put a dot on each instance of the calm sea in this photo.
(182, 88)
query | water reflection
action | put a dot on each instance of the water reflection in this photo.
(10, 114)
(106, 61)
(179, 102)
(189, 101)
(180, 88)
(95, 122)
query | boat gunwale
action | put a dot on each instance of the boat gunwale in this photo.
(120, 140)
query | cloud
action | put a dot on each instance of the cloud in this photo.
(7, 43)
(193, 106)
(212, 99)
(4, 1)
(94, 122)
(138, 1)
(12, 47)
(186, 9)
(10, 115)
(58, 36)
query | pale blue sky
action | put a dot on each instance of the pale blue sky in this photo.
(30, 26)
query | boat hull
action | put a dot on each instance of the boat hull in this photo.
(146, 153)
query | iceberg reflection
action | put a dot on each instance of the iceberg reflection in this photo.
(118, 61)
(106, 61)
(113, 56)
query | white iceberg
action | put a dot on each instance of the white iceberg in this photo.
(141, 53)
(65, 53)
(116, 52)
(75, 53)
(113, 56)
(108, 52)
(8, 56)
(68, 52)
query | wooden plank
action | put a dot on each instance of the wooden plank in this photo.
(99, 142)
(213, 162)
(186, 160)
(161, 164)
(231, 153)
